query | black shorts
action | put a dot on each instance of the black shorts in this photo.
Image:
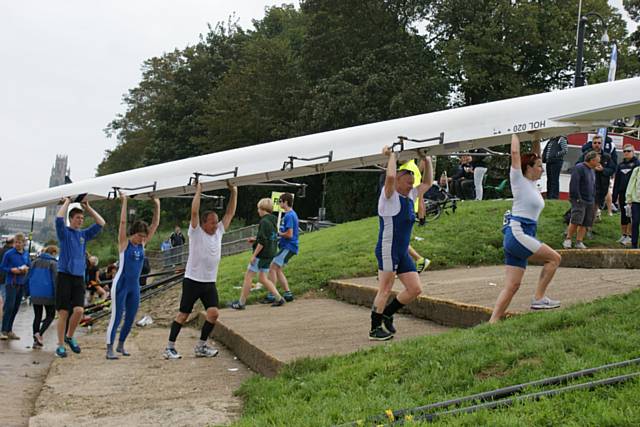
(193, 290)
(69, 291)
(624, 219)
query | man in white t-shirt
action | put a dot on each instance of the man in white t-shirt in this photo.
(205, 248)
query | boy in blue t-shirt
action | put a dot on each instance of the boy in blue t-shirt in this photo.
(288, 245)
(71, 268)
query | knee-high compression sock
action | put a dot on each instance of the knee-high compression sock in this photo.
(173, 335)
(376, 319)
(392, 308)
(207, 328)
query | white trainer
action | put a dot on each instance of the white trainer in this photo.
(544, 304)
(566, 244)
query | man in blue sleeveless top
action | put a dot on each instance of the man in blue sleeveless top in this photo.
(397, 216)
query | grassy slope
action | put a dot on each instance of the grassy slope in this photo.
(424, 370)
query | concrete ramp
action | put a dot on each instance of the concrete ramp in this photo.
(266, 338)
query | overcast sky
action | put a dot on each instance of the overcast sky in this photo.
(67, 63)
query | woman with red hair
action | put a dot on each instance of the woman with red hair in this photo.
(520, 243)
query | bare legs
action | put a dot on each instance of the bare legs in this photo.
(412, 288)
(513, 278)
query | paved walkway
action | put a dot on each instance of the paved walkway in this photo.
(23, 370)
(266, 338)
(481, 285)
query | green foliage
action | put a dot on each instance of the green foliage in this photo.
(332, 64)
(415, 372)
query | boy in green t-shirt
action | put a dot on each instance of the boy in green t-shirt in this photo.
(265, 246)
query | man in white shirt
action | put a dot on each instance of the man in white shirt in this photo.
(205, 249)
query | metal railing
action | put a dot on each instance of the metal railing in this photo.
(233, 242)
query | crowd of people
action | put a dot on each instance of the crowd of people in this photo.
(59, 284)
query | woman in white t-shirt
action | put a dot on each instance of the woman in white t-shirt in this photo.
(520, 243)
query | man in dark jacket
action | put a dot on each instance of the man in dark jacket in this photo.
(582, 196)
(553, 155)
(462, 179)
(604, 171)
(621, 180)
(177, 238)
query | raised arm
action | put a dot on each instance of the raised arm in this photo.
(390, 179)
(231, 207)
(427, 177)
(122, 230)
(515, 152)
(195, 206)
(95, 215)
(155, 222)
(62, 212)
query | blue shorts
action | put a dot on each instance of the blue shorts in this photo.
(519, 242)
(261, 266)
(283, 257)
(401, 263)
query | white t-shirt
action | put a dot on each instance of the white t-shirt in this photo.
(392, 206)
(527, 200)
(205, 251)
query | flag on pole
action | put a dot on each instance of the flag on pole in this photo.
(613, 65)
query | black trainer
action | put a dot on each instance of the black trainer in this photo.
(379, 334)
(387, 322)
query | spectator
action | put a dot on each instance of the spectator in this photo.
(479, 171)
(582, 197)
(438, 190)
(15, 264)
(462, 179)
(632, 198)
(8, 244)
(93, 280)
(604, 171)
(107, 276)
(553, 155)
(176, 238)
(620, 183)
(42, 290)
(608, 147)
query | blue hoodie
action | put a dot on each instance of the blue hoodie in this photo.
(14, 259)
(42, 278)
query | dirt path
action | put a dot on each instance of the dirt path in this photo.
(143, 389)
(23, 370)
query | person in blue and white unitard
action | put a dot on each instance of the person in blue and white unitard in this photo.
(520, 243)
(125, 291)
(397, 216)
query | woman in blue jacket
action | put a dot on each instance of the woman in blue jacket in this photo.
(42, 285)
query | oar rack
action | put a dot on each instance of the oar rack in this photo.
(196, 175)
(115, 190)
(398, 147)
(289, 163)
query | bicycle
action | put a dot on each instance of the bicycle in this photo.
(445, 202)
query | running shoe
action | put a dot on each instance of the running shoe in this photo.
(580, 245)
(288, 296)
(171, 354)
(12, 336)
(544, 304)
(627, 241)
(73, 344)
(387, 323)
(61, 352)
(567, 244)
(120, 349)
(269, 299)
(111, 355)
(205, 351)
(237, 305)
(621, 240)
(379, 334)
(422, 264)
(278, 303)
(3, 336)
